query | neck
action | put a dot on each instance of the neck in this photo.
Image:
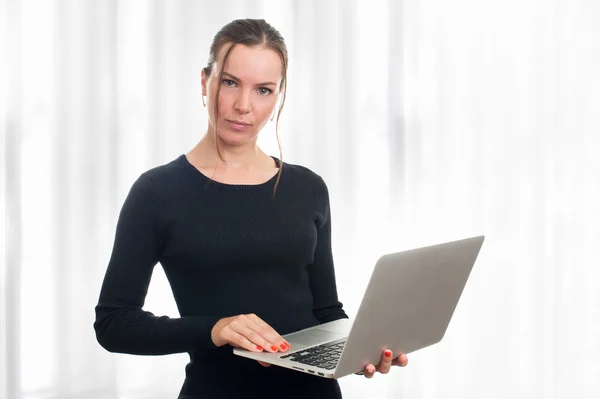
(245, 155)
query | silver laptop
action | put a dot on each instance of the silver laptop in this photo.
(407, 306)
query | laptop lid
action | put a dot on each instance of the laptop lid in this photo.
(408, 302)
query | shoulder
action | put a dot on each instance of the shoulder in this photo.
(303, 183)
(167, 173)
(163, 181)
(311, 188)
(304, 177)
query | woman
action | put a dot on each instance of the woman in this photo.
(243, 237)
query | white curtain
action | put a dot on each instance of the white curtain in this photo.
(430, 120)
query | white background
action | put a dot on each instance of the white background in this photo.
(430, 120)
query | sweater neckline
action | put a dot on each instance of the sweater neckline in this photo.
(207, 179)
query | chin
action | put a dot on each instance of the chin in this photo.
(237, 139)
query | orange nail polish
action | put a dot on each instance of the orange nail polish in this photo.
(274, 348)
(259, 348)
(283, 346)
(388, 353)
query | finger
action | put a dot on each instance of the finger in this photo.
(245, 327)
(386, 362)
(269, 333)
(401, 360)
(236, 339)
(369, 371)
(264, 364)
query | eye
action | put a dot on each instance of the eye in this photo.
(263, 91)
(228, 82)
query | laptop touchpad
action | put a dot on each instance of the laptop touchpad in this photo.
(312, 337)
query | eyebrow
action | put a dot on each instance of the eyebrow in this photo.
(239, 80)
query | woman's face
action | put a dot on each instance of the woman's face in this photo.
(249, 91)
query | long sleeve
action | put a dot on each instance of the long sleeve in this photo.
(121, 325)
(326, 306)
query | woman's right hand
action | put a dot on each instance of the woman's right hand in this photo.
(248, 331)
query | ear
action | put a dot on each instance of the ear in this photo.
(203, 81)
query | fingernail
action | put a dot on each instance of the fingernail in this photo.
(259, 348)
(370, 369)
(283, 346)
(388, 353)
(274, 348)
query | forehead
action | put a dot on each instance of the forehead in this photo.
(252, 64)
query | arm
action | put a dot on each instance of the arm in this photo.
(121, 325)
(326, 306)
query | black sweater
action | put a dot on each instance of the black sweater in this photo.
(226, 250)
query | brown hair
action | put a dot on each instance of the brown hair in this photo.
(249, 32)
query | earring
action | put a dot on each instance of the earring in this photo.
(203, 101)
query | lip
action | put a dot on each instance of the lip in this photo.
(238, 125)
(241, 123)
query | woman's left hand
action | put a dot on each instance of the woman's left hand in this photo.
(387, 361)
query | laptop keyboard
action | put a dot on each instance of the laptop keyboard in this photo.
(325, 356)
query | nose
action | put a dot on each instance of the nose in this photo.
(242, 102)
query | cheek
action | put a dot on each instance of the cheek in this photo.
(265, 108)
(225, 103)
